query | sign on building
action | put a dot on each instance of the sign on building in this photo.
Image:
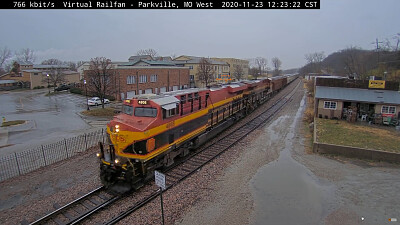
(376, 84)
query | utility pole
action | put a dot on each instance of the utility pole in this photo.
(377, 47)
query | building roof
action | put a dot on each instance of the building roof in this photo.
(8, 81)
(358, 95)
(149, 62)
(40, 66)
(32, 71)
(24, 63)
(135, 58)
(196, 60)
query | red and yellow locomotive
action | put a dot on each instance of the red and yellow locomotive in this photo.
(152, 130)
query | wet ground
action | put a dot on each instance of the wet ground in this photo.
(274, 181)
(52, 117)
(283, 187)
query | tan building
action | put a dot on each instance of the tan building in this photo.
(39, 78)
(36, 75)
(221, 69)
(233, 63)
(343, 98)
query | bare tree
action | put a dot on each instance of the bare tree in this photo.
(173, 56)
(52, 62)
(15, 68)
(55, 76)
(205, 71)
(276, 63)
(315, 60)
(100, 77)
(153, 53)
(72, 65)
(396, 39)
(261, 63)
(5, 54)
(354, 62)
(26, 55)
(238, 72)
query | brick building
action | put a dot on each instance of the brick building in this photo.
(146, 77)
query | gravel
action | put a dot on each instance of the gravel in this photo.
(27, 197)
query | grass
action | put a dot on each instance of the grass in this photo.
(99, 112)
(339, 132)
(11, 123)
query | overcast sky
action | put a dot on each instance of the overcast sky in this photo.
(74, 35)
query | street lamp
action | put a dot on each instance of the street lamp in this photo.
(87, 103)
(48, 82)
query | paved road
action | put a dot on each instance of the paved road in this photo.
(52, 117)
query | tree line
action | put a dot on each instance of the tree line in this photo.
(357, 63)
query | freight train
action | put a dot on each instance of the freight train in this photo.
(153, 130)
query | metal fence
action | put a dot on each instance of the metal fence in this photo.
(32, 159)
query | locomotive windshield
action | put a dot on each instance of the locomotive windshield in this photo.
(145, 112)
(127, 109)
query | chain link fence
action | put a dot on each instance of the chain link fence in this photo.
(29, 160)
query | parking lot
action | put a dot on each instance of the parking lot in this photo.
(52, 117)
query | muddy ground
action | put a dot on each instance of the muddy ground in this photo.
(275, 181)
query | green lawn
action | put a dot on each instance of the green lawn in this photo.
(355, 135)
(100, 112)
(10, 123)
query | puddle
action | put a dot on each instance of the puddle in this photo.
(286, 192)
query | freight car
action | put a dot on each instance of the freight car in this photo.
(153, 130)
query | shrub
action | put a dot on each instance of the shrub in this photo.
(76, 91)
(110, 97)
(309, 115)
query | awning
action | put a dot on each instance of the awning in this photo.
(169, 106)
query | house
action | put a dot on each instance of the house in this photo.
(363, 100)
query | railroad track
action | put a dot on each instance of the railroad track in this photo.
(182, 170)
(79, 209)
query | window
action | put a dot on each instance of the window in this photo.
(35, 73)
(329, 105)
(130, 94)
(145, 112)
(148, 91)
(127, 109)
(153, 78)
(190, 67)
(183, 99)
(170, 112)
(191, 77)
(163, 89)
(142, 79)
(130, 79)
(388, 109)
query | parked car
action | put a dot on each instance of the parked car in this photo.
(63, 87)
(97, 101)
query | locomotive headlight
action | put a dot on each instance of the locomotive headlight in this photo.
(117, 128)
(116, 161)
(98, 155)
